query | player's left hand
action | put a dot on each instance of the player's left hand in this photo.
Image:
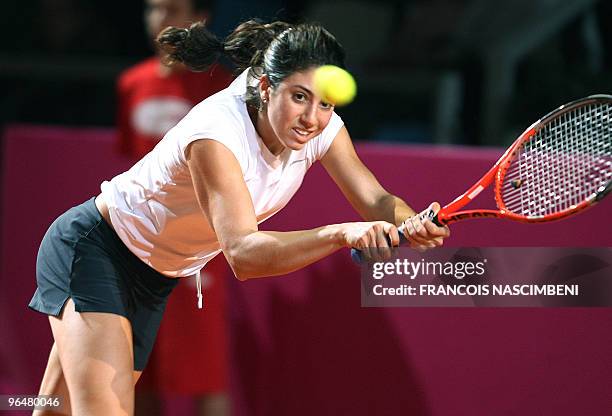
(421, 232)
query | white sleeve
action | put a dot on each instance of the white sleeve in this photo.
(214, 124)
(322, 143)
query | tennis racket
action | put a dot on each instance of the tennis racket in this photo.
(559, 166)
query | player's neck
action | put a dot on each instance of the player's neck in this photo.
(260, 121)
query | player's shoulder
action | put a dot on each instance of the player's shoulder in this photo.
(220, 106)
(225, 110)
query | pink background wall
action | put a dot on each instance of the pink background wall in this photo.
(301, 344)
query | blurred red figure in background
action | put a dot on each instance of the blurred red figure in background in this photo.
(152, 98)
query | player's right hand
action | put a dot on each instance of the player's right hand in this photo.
(421, 233)
(371, 238)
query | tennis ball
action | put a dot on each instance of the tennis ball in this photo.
(335, 85)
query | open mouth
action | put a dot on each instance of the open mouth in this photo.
(303, 134)
(300, 132)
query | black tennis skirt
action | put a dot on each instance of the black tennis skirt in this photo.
(81, 257)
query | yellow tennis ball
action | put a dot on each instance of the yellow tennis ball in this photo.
(335, 85)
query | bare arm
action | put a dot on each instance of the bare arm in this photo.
(226, 203)
(369, 198)
(360, 186)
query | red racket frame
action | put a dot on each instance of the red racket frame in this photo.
(450, 214)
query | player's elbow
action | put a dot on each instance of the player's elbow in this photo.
(240, 272)
(247, 266)
(244, 270)
(240, 262)
(247, 257)
(236, 264)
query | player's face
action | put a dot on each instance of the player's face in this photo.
(295, 113)
(160, 14)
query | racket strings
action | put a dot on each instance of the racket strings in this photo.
(566, 162)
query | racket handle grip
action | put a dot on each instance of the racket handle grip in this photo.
(435, 221)
(357, 255)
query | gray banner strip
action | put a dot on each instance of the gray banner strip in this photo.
(490, 277)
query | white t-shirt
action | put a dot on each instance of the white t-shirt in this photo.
(153, 206)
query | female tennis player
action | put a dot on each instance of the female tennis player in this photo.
(105, 268)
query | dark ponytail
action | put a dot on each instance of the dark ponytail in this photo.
(246, 45)
(198, 48)
(275, 49)
(195, 47)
